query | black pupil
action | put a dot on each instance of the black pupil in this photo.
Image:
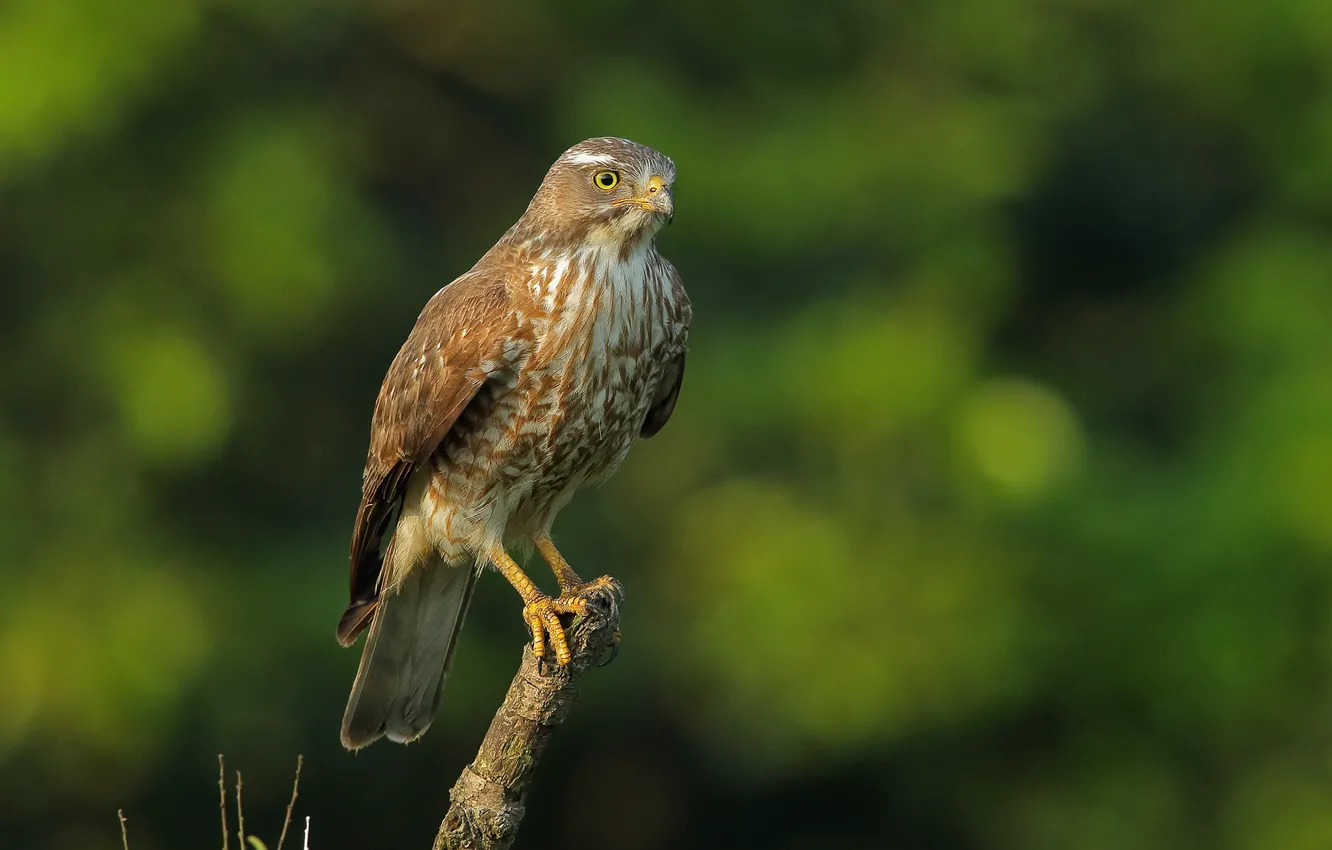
(607, 179)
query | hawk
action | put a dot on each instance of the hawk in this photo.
(523, 380)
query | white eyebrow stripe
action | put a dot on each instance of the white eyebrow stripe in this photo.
(591, 159)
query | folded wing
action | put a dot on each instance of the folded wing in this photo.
(458, 343)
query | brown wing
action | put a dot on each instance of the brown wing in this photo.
(663, 404)
(458, 343)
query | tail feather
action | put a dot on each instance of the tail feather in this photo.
(407, 655)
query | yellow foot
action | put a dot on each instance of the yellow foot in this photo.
(596, 587)
(543, 614)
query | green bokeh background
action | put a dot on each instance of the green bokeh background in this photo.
(996, 512)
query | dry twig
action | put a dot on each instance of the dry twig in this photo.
(240, 814)
(296, 784)
(487, 803)
(222, 796)
(124, 834)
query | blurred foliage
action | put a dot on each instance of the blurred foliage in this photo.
(996, 513)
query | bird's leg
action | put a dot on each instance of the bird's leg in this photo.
(541, 612)
(574, 592)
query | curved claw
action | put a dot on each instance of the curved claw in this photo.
(614, 650)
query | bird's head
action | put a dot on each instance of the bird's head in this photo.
(604, 190)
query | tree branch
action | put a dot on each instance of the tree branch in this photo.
(487, 803)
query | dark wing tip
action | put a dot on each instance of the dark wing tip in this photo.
(355, 619)
(664, 404)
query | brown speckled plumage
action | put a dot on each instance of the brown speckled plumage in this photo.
(523, 380)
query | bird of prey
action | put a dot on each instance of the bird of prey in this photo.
(523, 380)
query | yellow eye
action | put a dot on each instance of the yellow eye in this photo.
(606, 180)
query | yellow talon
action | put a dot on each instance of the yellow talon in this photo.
(542, 614)
(595, 587)
(543, 618)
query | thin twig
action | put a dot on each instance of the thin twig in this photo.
(306, 844)
(488, 802)
(240, 814)
(295, 784)
(124, 834)
(222, 795)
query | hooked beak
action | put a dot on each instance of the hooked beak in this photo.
(656, 199)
